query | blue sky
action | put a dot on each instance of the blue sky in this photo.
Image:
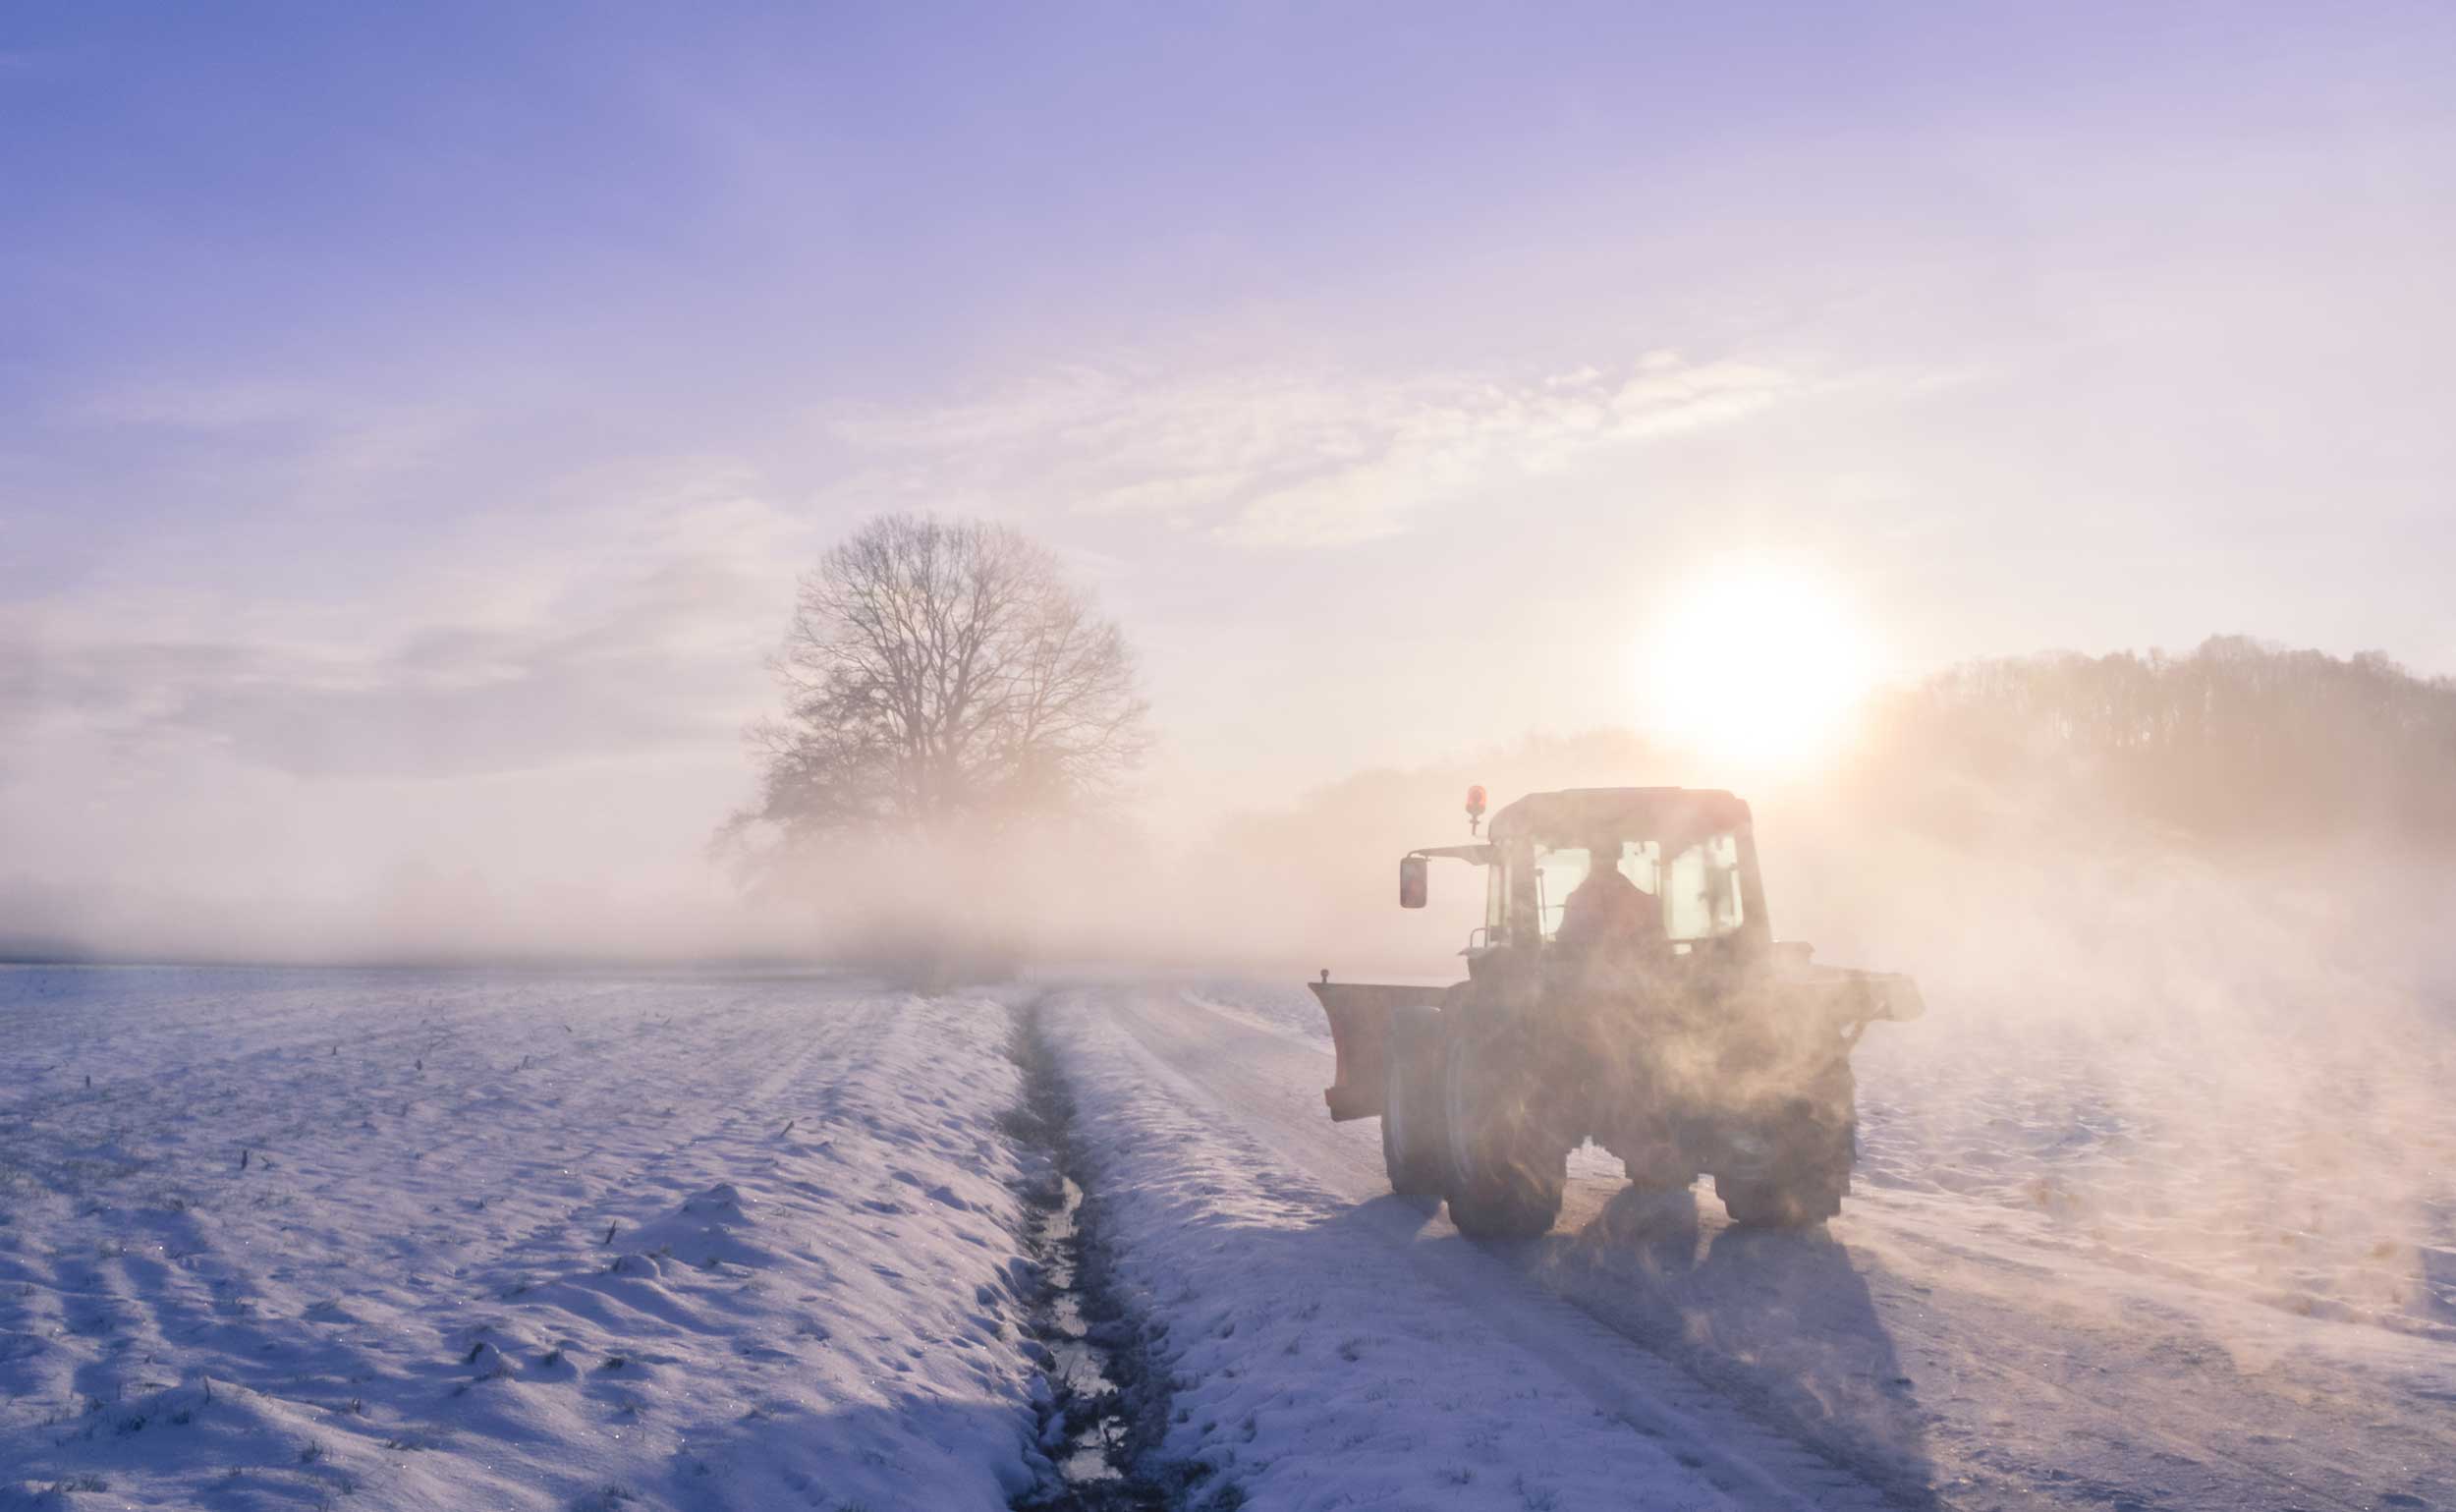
(412, 418)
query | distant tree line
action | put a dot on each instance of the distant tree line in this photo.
(2238, 739)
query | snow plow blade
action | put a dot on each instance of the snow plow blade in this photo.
(1359, 1029)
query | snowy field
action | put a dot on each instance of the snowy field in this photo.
(451, 1240)
(2299, 1171)
(1315, 1368)
(2063, 1281)
(393, 1239)
(2307, 1168)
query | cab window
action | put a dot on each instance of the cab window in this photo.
(1559, 870)
(1702, 891)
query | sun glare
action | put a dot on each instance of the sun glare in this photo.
(1757, 666)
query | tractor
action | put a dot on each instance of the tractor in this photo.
(1625, 987)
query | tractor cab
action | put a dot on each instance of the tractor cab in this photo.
(1689, 857)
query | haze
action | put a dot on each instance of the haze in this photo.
(412, 423)
(705, 714)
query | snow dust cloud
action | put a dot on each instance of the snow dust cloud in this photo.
(2192, 1006)
(2191, 999)
(2215, 1049)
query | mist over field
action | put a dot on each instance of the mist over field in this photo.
(712, 725)
(2211, 891)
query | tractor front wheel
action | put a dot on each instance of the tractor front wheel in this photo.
(1507, 1168)
(1412, 1122)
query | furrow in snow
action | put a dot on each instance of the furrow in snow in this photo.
(570, 1243)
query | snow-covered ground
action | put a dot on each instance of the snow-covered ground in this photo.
(2306, 1167)
(2004, 1315)
(1313, 1366)
(2294, 1169)
(425, 1240)
(450, 1240)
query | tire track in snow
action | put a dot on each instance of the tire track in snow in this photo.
(2039, 1383)
(1310, 1165)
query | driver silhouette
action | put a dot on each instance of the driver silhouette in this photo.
(1607, 921)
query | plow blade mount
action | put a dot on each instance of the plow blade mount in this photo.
(1360, 1029)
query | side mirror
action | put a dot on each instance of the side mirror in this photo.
(1413, 875)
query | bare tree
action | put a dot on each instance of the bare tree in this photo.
(942, 678)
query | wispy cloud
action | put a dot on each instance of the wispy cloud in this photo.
(1293, 459)
(302, 439)
(518, 643)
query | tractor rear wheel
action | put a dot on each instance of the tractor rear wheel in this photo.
(1412, 1122)
(1818, 1142)
(1795, 1200)
(1507, 1169)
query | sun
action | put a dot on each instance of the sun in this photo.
(1755, 665)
